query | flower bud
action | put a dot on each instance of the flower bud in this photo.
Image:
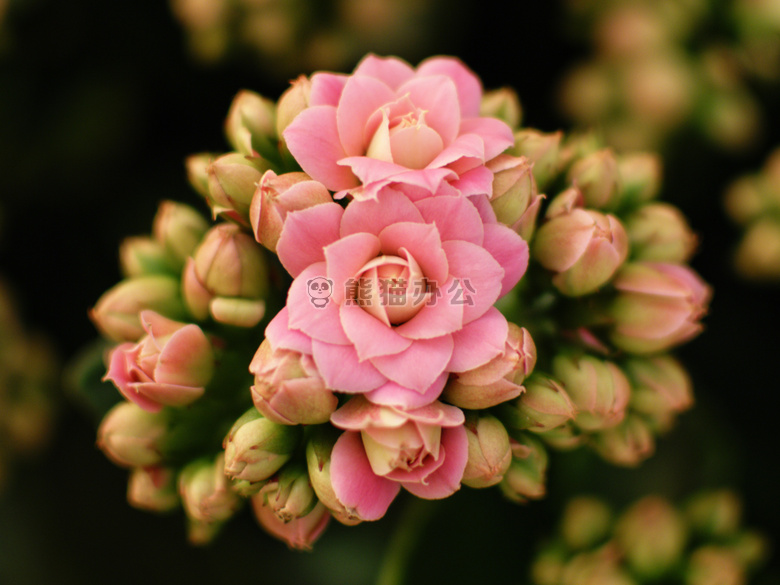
(526, 477)
(498, 380)
(289, 494)
(233, 179)
(489, 452)
(548, 566)
(715, 514)
(117, 312)
(658, 306)
(152, 488)
(629, 443)
(205, 491)
(179, 229)
(300, 533)
(503, 104)
(197, 166)
(131, 436)
(714, 564)
(758, 254)
(227, 264)
(661, 389)
(659, 232)
(597, 178)
(250, 126)
(639, 177)
(256, 447)
(288, 388)
(544, 406)
(142, 256)
(598, 389)
(586, 522)
(292, 102)
(747, 198)
(652, 536)
(751, 548)
(275, 197)
(543, 149)
(585, 248)
(515, 199)
(599, 567)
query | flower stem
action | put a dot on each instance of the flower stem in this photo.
(404, 541)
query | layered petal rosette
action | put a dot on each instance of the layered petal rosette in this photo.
(390, 123)
(424, 450)
(413, 287)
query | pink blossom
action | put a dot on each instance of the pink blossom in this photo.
(424, 450)
(390, 123)
(448, 263)
(169, 366)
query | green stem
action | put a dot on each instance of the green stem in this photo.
(404, 541)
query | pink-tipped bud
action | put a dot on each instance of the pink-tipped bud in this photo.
(544, 406)
(543, 149)
(206, 493)
(514, 189)
(170, 366)
(640, 176)
(233, 179)
(179, 229)
(747, 198)
(117, 312)
(251, 122)
(197, 166)
(758, 254)
(289, 493)
(227, 278)
(597, 178)
(658, 306)
(143, 256)
(659, 232)
(526, 478)
(628, 444)
(586, 522)
(256, 447)
(489, 452)
(598, 567)
(715, 514)
(292, 102)
(652, 535)
(275, 197)
(584, 247)
(152, 489)
(503, 104)
(131, 436)
(300, 533)
(661, 389)
(498, 380)
(288, 388)
(599, 390)
(318, 455)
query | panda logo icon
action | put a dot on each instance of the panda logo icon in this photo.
(319, 289)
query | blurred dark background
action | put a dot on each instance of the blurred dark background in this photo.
(99, 105)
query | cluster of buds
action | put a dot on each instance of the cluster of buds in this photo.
(388, 366)
(753, 201)
(658, 69)
(28, 378)
(697, 543)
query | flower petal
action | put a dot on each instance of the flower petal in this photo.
(318, 322)
(370, 337)
(479, 276)
(467, 83)
(342, 371)
(392, 394)
(326, 88)
(306, 233)
(345, 257)
(418, 366)
(373, 215)
(438, 97)
(445, 481)
(361, 97)
(391, 70)
(280, 335)
(510, 251)
(422, 241)
(455, 217)
(496, 135)
(479, 341)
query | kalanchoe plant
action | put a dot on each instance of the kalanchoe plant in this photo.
(335, 337)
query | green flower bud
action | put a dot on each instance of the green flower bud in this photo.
(526, 477)
(547, 567)
(597, 178)
(515, 199)
(543, 149)
(503, 104)
(152, 489)
(661, 389)
(179, 229)
(197, 166)
(489, 451)
(639, 177)
(143, 256)
(289, 494)
(714, 564)
(544, 406)
(292, 102)
(133, 437)
(715, 514)
(659, 232)
(206, 493)
(586, 522)
(758, 254)
(599, 567)
(250, 126)
(629, 443)
(233, 179)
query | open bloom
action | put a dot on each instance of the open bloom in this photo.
(384, 448)
(170, 366)
(390, 123)
(411, 287)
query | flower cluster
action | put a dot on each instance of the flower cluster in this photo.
(753, 201)
(652, 541)
(367, 312)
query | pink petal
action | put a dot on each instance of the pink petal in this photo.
(326, 89)
(280, 335)
(496, 135)
(169, 394)
(445, 481)
(510, 251)
(476, 181)
(186, 359)
(305, 235)
(345, 258)
(356, 486)
(313, 139)
(373, 215)
(438, 97)
(468, 146)
(392, 394)
(440, 315)
(467, 83)
(455, 217)
(482, 203)
(158, 326)
(370, 337)
(422, 241)
(361, 97)
(479, 341)
(479, 276)
(420, 474)
(342, 371)
(418, 366)
(391, 70)
(321, 323)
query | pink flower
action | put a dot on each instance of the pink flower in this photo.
(169, 366)
(384, 448)
(298, 533)
(389, 123)
(442, 266)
